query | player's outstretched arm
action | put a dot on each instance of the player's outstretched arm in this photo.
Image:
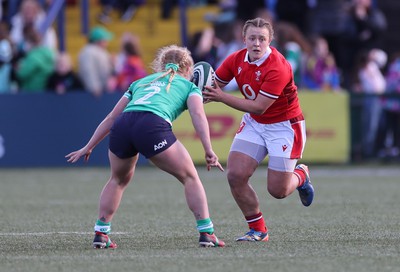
(200, 123)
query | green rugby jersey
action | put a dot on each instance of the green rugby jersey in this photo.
(155, 98)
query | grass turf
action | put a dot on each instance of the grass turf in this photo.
(47, 218)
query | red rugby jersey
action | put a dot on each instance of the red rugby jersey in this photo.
(271, 77)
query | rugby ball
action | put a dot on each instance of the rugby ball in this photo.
(203, 75)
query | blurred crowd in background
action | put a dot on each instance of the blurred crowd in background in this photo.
(332, 45)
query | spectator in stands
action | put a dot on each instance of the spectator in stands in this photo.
(216, 43)
(6, 54)
(327, 20)
(127, 8)
(129, 65)
(294, 46)
(320, 71)
(224, 34)
(391, 107)
(30, 13)
(34, 69)
(64, 79)
(202, 46)
(393, 74)
(369, 80)
(95, 65)
(228, 40)
(364, 26)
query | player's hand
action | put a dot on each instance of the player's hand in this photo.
(75, 156)
(212, 161)
(211, 93)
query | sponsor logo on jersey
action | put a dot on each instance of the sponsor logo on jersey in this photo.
(284, 147)
(158, 83)
(160, 145)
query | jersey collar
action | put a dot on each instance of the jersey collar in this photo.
(259, 61)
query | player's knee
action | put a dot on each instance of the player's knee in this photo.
(278, 192)
(235, 176)
(122, 181)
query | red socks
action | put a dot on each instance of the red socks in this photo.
(301, 175)
(256, 222)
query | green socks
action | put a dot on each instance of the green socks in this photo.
(102, 227)
(205, 225)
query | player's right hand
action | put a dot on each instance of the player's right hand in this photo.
(75, 156)
(212, 161)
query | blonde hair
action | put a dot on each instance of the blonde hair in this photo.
(259, 22)
(171, 60)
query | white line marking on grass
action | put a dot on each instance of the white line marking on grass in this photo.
(55, 233)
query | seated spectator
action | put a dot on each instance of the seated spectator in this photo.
(64, 79)
(34, 69)
(30, 13)
(129, 65)
(320, 72)
(95, 65)
(6, 54)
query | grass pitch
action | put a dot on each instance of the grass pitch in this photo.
(47, 218)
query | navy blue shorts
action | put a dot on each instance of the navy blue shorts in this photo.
(140, 132)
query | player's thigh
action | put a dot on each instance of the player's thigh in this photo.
(280, 171)
(176, 161)
(240, 167)
(122, 169)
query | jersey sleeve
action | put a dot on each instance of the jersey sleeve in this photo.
(129, 93)
(224, 72)
(194, 90)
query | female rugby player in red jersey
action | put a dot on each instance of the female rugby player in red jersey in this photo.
(273, 125)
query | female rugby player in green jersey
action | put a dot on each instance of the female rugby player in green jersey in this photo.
(141, 122)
